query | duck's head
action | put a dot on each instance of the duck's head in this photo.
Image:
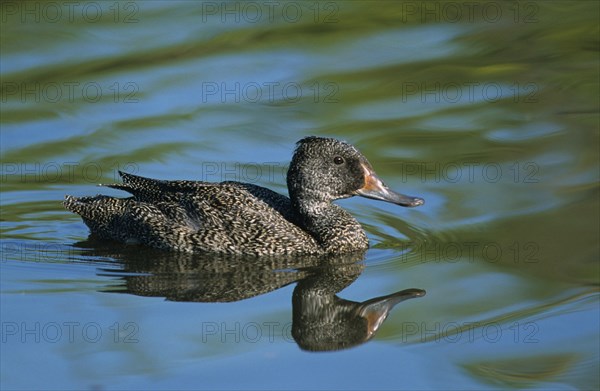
(326, 169)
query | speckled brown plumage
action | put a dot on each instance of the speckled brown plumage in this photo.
(241, 218)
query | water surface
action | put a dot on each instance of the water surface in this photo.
(487, 110)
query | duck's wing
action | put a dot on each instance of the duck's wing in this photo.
(228, 217)
(156, 190)
(233, 219)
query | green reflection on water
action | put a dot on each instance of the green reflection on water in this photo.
(418, 94)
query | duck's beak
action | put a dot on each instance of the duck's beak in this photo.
(376, 189)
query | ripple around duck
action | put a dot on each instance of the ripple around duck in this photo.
(393, 253)
(380, 77)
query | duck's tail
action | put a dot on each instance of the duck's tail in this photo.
(134, 184)
(128, 220)
(153, 215)
(98, 213)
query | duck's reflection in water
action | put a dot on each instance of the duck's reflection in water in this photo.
(321, 320)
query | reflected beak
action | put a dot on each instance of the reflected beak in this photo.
(376, 310)
(376, 189)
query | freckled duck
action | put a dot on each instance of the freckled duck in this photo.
(242, 218)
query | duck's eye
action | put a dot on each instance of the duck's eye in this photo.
(338, 160)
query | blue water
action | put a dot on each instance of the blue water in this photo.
(491, 117)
